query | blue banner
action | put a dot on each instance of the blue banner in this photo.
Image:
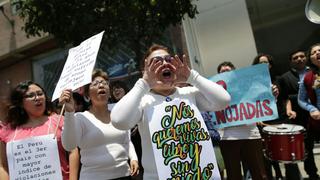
(251, 97)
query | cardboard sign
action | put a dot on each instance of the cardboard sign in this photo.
(251, 97)
(34, 158)
(181, 142)
(79, 65)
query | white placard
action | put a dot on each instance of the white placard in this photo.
(181, 142)
(34, 158)
(79, 65)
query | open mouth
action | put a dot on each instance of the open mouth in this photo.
(102, 92)
(166, 73)
(38, 104)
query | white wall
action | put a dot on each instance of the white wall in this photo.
(220, 32)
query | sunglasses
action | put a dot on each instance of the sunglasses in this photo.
(166, 58)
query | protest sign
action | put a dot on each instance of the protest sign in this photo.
(251, 97)
(79, 65)
(34, 158)
(181, 142)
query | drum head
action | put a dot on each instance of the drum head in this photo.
(283, 129)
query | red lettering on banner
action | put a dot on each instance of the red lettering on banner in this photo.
(236, 118)
(228, 113)
(259, 109)
(244, 111)
(265, 104)
(252, 112)
(220, 117)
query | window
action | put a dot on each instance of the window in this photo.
(120, 65)
(2, 2)
(280, 27)
(16, 5)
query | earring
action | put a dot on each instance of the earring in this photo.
(86, 99)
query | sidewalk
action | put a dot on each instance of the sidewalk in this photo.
(316, 152)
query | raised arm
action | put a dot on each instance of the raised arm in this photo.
(127, 112)
(69, 132)
(211, 96)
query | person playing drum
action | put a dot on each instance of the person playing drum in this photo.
(292, 113)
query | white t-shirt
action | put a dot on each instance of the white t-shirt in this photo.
(104, 150)
(246, 131)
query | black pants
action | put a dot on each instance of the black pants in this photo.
(309, 163)
(248, 151)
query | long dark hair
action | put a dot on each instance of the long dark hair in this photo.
(16, 114)
(313, 67)
(256, 60)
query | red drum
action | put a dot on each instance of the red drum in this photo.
(284, 142)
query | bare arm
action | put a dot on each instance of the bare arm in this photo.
(4, 173)
(211, 96)
(290, 113)
(69, 132)
(74, 164)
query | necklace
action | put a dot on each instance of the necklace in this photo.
(167, 97)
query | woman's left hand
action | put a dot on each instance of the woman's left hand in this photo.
(182, 69)
(134, 167)
(275, 90)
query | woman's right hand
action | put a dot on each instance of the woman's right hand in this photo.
(67, 99)
(291, 114)
(315, 115)
(151, 69)
(134, 167)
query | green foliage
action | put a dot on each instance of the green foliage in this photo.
(124, 21)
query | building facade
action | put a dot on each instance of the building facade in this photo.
(224, 30)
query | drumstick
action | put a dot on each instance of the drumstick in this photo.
(291, 130)
(265, 124)
(60, 116)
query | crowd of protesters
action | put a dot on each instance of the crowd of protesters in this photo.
(104, 132)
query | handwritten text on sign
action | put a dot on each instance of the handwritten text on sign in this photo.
(181, 142)
(34, 158)
(79, 65)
